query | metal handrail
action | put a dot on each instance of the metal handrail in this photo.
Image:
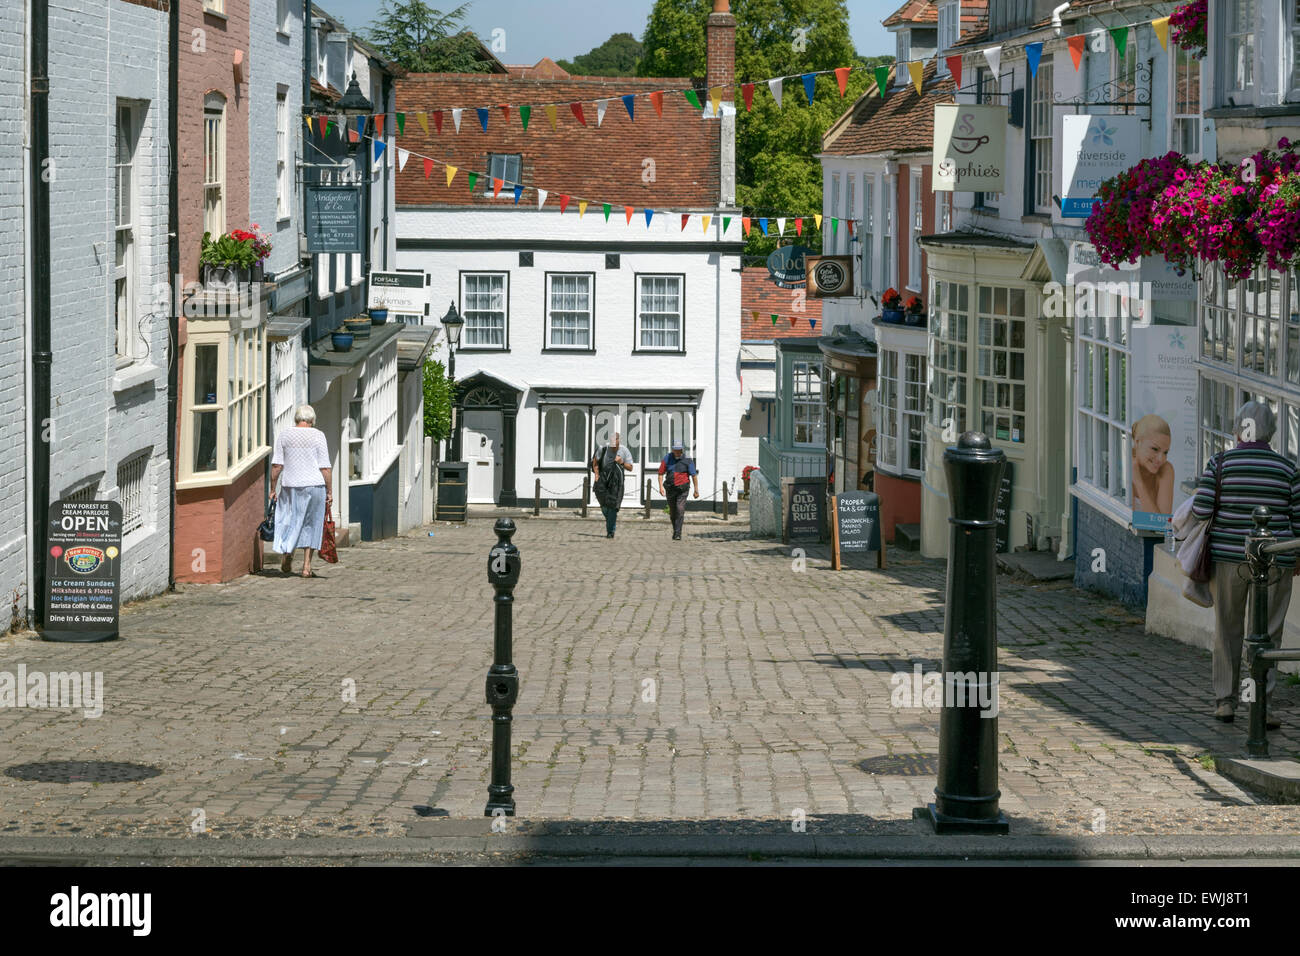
(1281, 547)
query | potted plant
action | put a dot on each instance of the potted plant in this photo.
(891, 306)
(342, 340)
(233, 257)
(358, 325)
(914, 311)
(379, 311)
(744, 476)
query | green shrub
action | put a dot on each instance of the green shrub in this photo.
(437, 401)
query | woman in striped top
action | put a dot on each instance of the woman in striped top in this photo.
(1249, 475)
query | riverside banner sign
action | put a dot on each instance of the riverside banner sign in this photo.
(1093, 149)
(970, 148)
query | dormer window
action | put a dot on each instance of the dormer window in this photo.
(949, 31)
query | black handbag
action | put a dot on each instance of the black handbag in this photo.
(266, 530)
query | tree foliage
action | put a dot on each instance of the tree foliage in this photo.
(437, 401)
(617, 56)
(422, 39)
(776, 172)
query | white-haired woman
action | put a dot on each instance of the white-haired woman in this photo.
(301, 465)
(1232, 485)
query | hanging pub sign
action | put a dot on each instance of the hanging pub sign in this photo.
(83, 571)
(333, 219)
(970, 148)
(1093, 149)
(830, 276)
(787, 266)
(404, 292)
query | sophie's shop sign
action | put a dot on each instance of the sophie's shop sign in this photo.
(970, 148)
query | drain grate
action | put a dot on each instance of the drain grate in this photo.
(82, 771)
(902, 765)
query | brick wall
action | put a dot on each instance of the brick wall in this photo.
(1128, 558)
(13, 346)
(208, 46)
(102, 54)
(216, 536)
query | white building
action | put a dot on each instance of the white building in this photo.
(577, 326)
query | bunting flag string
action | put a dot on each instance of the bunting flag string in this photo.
(1034, 54)
(776, 316)
(399, 157)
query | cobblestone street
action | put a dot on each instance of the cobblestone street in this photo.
(705, 679)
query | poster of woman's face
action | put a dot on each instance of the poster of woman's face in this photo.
(1153, 474)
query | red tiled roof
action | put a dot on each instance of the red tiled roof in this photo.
(901, 122)
(543, 69)
(758, 293)
(913, 12)
(325, 92)
(601, 164)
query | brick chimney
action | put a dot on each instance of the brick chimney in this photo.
(721, 71)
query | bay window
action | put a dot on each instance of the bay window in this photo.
(1000, 377)
(485, 297)
(569, 311)
(806, 402)
(946, 397)
(660, 312)
(900, 393)
(223, 429)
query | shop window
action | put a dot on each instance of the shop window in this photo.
(1103, 351)
(946, 398)
(806, 402)
(1001, 363)
(564, 435)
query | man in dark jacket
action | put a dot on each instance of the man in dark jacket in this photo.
(680, 472)
(611, 461)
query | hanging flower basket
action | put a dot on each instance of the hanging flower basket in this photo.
(1187, 27)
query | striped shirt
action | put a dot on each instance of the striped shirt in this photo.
(1251, 474)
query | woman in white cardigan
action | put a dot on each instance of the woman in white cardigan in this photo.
(301, 463)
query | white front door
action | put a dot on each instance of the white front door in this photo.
(482, 446)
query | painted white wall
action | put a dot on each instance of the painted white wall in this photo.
(100, 52)
(275, 61)
(711, 301)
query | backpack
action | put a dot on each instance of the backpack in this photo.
(608, 488)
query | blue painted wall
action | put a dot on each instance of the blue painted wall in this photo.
(1128, 558)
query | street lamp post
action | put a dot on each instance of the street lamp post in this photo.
(453, 323)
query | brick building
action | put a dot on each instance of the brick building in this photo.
(578, 325)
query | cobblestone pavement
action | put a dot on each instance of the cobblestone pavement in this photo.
(663, 684)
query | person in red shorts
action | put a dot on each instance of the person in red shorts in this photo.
(680, 472)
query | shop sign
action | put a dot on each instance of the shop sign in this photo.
(830, 276)
(333, 220)
(970, 148)
(1093, 149)
(404, 292)
(788, 266)
(83, 574)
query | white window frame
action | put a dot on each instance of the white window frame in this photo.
(1041, 132)
(850, 208)
(126, 205)
(239, 406)
(1103, 454)
(481, 335)
(902, 55)
(832, 237)
(1240, 53)
(1123, 74)
(807, 404)
(916, 227)
(214, 164)
(282, 16)
(586, 329)
(284, 367)
(948, 389)
(988, 86)
(666, 316)
(942, 211)
(887, 256)
(574, 416)
(949, 31)
(282, 201)
(500, 166)
(214, 6)
(868, 231)
(988, 379)
(1292, 34)
(372, 439)
(1190, 123)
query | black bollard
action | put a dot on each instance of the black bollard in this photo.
(502, 678)
(967, 794)
(725, 504)
(647, 499)
(1259, 563)
(537, 497)
(586, 493)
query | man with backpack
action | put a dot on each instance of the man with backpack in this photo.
(680, 472)
(609, 464)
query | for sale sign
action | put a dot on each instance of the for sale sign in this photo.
(83, 571)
